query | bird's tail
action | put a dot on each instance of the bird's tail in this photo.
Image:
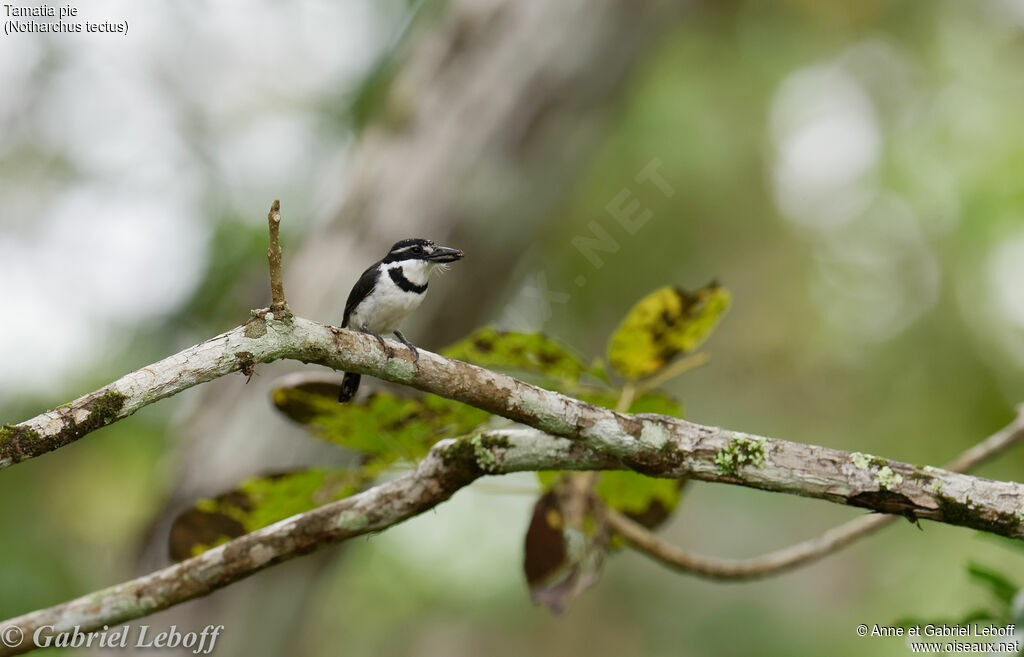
(349, 385)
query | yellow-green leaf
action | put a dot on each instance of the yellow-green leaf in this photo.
(529, 352)
(382, 425)
(667, 322)
(646, 500)
(256, 503)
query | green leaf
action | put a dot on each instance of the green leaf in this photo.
(996, 582)
(667, 322)
(382, 425)
(303, 402)
(646, 500)
(256, 503)
(393, 427)
(530, 352)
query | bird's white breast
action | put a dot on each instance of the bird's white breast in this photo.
(388, 305)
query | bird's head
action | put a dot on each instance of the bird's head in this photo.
(420, 250)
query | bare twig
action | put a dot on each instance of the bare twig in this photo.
(278, 305)
(805, 552)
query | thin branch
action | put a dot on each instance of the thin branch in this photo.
(278, 305)
(805, 552)
(657, 445)
(449, 466)
(639, 538)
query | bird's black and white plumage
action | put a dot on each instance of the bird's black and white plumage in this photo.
(388, 292)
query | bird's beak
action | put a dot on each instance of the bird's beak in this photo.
(445, 254)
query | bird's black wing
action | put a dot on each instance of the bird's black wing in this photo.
(362, 289)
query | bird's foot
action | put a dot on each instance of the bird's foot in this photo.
(388, 351)
(411, 346)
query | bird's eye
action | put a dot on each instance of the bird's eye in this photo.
(417, 250)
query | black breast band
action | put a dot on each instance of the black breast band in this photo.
(404, 283)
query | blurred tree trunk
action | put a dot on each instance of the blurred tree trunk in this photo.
(492, 110)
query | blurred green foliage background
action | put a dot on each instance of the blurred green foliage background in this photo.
(852, 172)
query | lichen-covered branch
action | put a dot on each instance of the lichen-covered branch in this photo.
(223, 354)
(450, 465)
(653, 444)
(804, 552)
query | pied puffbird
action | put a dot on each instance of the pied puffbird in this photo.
(388, 292)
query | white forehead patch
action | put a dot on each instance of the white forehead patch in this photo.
(429, 247)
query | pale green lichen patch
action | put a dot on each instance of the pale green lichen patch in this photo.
(532, 404)
(886, 478)
(397, 369)
(351, 520)
(653, 434)
(742, 451)
(132, 604)
(260, 554)
(936, 485)
(608, 435)
(860, 461)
